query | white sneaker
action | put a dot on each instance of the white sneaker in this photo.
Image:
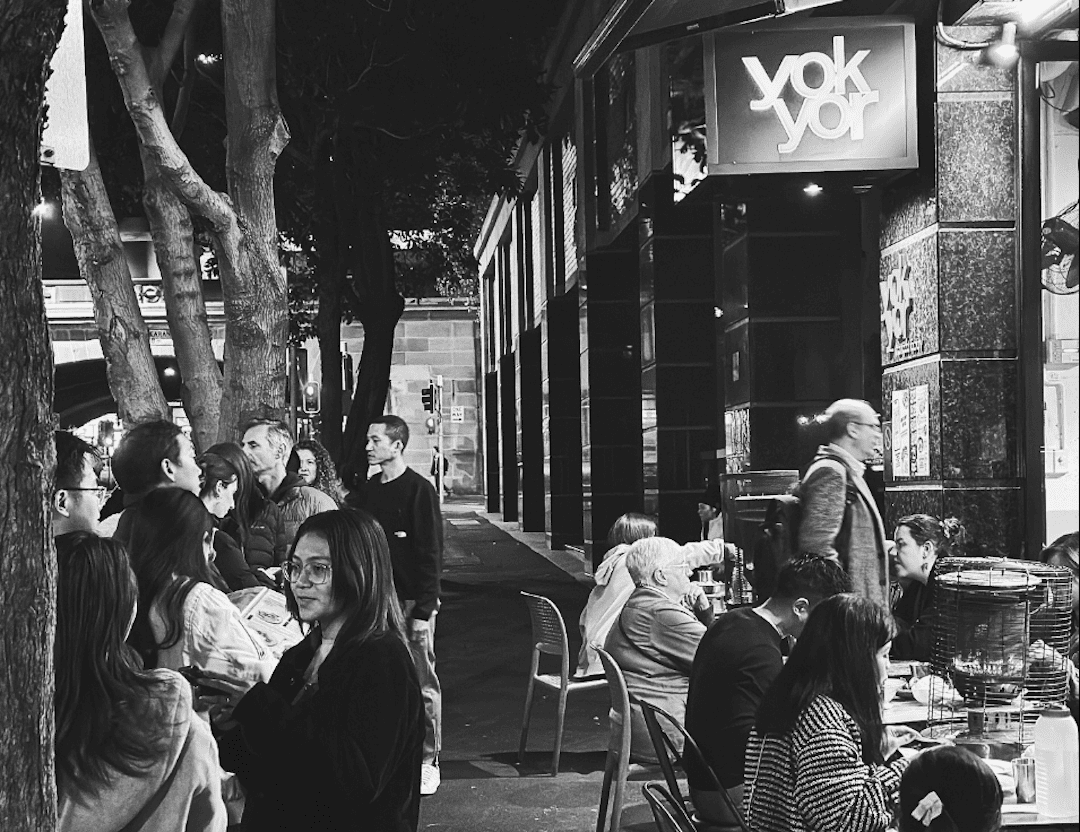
(429, 779)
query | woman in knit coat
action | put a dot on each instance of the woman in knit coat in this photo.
(816, 759)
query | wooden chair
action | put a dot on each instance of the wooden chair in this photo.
(618, 755)
(668, 755)
(668, 814)
(549, 637)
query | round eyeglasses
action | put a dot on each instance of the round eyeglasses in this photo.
(317, 573)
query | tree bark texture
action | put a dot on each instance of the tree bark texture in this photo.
(328, 327)
(256, 302)
(243, 226)
(125, 341)
(185, 307)
(29, 30)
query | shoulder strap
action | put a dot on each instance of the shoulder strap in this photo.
(139, 821)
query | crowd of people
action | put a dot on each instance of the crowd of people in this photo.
(784, 698)
(172, 711)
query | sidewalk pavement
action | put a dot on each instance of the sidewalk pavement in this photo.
(483, 645)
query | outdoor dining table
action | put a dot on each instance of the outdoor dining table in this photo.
(916, 715)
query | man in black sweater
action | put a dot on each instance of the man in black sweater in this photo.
(736, 661)
(408, 508)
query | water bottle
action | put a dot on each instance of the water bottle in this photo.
(1057, 791)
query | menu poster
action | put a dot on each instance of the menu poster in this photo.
(901, 453)
(920, 431)
(264, 612)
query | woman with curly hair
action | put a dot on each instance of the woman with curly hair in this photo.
(130, 752)
(317, 469)
(921, 540)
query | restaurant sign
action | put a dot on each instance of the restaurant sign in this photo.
(827, 94)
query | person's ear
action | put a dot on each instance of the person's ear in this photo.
(660, 577)
(60, 502)
(168, 469)
(801, 609)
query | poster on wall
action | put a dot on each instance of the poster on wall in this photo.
(920, 431)
(901, 454)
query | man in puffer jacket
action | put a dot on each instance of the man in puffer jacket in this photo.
(267, 445)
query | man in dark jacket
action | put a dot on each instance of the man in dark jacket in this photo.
(736, 661)
(408, 508)
(267, 445)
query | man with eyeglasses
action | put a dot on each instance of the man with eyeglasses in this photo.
(77, 497)
(840, 518)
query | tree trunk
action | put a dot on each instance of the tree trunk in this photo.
(243, 227)
(328, 326)
(28, 37)
(125, 341)
(379, 307)
(256, 302)
(185, 307)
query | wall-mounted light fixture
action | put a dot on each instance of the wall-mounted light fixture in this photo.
(1002, 52)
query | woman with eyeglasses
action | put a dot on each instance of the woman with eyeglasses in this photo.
(183, 619)
(130, 752)
(335, 740)
(220, 482)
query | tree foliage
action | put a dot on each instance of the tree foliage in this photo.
(405, 117)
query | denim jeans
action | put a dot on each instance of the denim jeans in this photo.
(422, 648)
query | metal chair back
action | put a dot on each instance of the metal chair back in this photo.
(668, 814)
(668, 755)
(618, 756)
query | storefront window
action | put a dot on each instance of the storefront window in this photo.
(686, 114)
(1058, 82)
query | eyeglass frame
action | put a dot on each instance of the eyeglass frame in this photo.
(103, 491)
(876, 425)
(305, 568)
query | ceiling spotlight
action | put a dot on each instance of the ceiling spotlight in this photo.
(813, 189)
(1002, 52)
(169, 372)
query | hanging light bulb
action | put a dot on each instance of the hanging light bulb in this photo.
(1003, 52)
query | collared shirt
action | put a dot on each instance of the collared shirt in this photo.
(856, 464)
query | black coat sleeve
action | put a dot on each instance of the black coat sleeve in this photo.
(358, 725)
(231, 563)
(428, 548)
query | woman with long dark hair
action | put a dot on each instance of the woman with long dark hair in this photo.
(317, 469)
(921, 540)
(220, 483)
(183, 619)
(130, 752)
(335, 740)
(254, 522)
(816, 757)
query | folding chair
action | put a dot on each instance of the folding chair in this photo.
(549, 637)
(668, 755)
(668, 814)
(618, 755)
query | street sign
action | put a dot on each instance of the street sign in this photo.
(65, 141)
(457, 414)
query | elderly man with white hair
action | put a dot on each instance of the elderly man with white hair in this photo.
(840, 519)
(657, 634)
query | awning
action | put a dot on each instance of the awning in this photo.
(632, 24)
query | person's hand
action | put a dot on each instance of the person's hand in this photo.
(416, 628)
(219, 694)
(897, 736)
(696, 600)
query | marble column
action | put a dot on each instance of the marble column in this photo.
(949, 315)
(678, 354)
(610, 341)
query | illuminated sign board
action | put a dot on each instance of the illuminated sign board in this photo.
(823, 94)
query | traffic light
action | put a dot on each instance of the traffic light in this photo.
(427, 396)
(311, 401)
(430, 424)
